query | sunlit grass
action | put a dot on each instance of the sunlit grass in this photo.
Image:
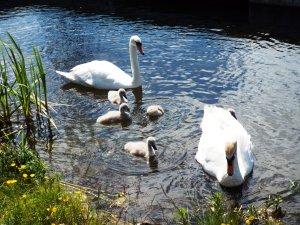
(27, 196)
(219, 212)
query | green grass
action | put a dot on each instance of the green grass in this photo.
(219, 212)
(27, 196)
(23, 91)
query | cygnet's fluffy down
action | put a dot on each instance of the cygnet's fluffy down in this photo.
(117, 97)
(155, 111)
(112, 117)
(140, 148)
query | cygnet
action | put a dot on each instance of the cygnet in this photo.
(155, 111)
(112, 117)
(117, 97)
(140, 148)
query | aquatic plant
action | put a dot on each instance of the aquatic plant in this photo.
(23, 91)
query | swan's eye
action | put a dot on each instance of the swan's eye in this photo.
(138, 44)
(230, 160)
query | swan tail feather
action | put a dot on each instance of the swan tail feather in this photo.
(65, 74)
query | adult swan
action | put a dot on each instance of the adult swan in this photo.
(105, 75)
(224, 149)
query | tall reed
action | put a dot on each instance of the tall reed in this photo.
(23, 90)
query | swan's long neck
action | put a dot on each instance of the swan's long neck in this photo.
(136, 79)
(237, 171)
(230, 181)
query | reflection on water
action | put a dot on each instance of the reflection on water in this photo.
(201, 61)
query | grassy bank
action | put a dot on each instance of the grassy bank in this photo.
(29, 194)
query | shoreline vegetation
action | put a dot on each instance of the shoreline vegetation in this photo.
(30, 193)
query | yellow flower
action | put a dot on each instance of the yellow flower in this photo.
(25, 175)
(78, 192)
(22, 167)
(54, 209)
(251, 218)
(48, 209)
(24, 196)
(32, 175)
(248, 222)
(60, 198)
(11, 181)
(52, 223)
(13, 164)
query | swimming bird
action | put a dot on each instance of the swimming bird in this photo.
(112, 117)
(225, 148)
(117, 97)
(155, 111)
(106, 75)
(140, 148)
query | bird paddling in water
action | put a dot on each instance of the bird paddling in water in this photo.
(154, 111)
(106, 75)
(113, 117)
(117, 97)
(225, 148)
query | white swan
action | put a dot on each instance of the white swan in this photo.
(155, 111)
(140, 148)
(117, 97)
(105, 75)
(224, 148)
(112, 117)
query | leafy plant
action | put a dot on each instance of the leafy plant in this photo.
(22, 90)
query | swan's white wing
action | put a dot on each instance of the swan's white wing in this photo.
(101, 74)
(211, 154)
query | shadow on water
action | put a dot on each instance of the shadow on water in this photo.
(102, 94)
(250, 20)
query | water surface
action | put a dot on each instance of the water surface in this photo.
(186, 64)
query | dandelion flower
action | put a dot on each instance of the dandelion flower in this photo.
(22, 167)
(32, 175)
(25, 175)
(78, 192)
(48, 209)
(248, 222)
(54, 209)
(13, 164)
(11, 181)
(251, 218)
(24, 196)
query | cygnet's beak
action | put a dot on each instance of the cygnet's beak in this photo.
(154, 147)
(125, 99)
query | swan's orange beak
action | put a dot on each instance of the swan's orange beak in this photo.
(230, 169)
(140, 48)
(230, 166)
